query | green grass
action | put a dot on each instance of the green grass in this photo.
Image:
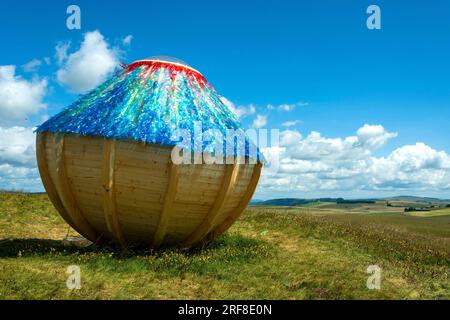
(270, 253)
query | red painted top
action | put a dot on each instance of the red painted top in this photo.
(173, 67)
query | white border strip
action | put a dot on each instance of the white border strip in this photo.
(169, 62)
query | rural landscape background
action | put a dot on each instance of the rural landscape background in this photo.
(317, 249)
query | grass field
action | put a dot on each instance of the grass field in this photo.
(321, 251)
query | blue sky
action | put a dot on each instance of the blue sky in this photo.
(316, 54)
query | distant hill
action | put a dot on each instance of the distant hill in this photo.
(19, 192)
(281, 202)
(256, 201)
(416, 199)
(297, 202)
(289, 202)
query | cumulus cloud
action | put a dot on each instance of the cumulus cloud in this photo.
(17, 146)
(20, 98)
(17, 160)
(260, 121)
(374, 137)
(319, 164)
(290, 137)
(13, 178)
(88, 67)
(240, 111)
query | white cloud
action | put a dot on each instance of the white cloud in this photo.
(374, 136)
(330, 166)
(48, 60)
(32, 66)
(17, 146)
(251, 109)
(43, 117)
(14, 178)
(61, 51)
(290, 137)
(20, 98)
(240, 111)
(286, 106)
(17, 160)
(260, 121)
(88, 67)
(292, 123)
(127, 40)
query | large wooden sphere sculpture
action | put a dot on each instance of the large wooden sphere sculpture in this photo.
(106, 162)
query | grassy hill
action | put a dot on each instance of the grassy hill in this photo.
(319, 251)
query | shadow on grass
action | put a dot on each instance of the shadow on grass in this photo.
(228, 251)
(10, 248)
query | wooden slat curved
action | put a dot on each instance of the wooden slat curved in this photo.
(109, 197)
(228, 183)
(41, 156)
(169, 198)
(243, 203)
(64, 191)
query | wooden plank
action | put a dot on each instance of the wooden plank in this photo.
(64, 191)
(159, 173)
(109, 196)
(132, 158)
(166, 212)
(146, 198)
(242, 204)
(132, 145)
(144, 183)
(41, 155)
(233, 199)
(107, 185)
(147, 153)
(228, 182)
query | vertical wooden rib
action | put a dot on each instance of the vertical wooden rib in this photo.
(65, 193)
(243, 203)
(41, 155)
(228, 182)
(166, 212)
(109, 196)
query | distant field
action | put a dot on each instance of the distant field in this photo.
(332, 207)
(316, 251)
(434, 213)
